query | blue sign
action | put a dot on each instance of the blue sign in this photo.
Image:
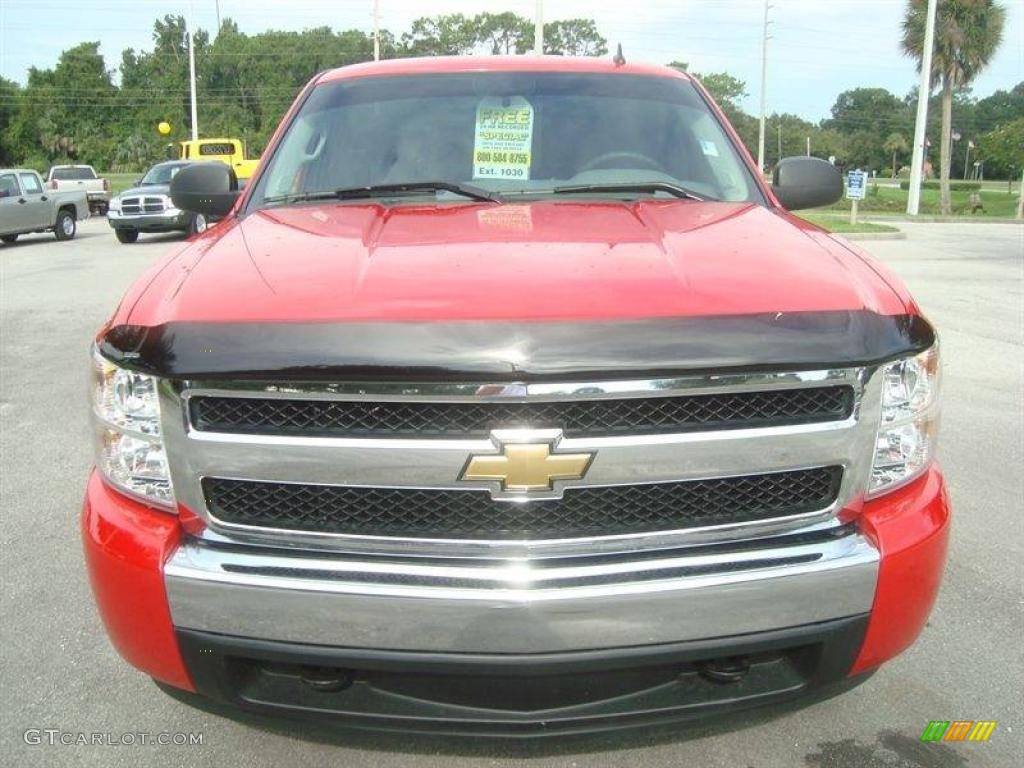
(856, 185)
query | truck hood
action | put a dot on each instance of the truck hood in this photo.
(532, 262)
(509, 293)
(148, 189)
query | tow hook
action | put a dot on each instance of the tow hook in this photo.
(326, 679)
(730, 670)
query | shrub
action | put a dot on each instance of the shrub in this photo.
(954, 186)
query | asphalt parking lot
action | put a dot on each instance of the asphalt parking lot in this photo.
(57, 669)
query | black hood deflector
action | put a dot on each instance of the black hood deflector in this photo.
(499, 351)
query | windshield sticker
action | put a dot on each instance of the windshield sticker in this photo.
(709, 147)
(504, 139)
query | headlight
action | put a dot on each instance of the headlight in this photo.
(909, 422)
(129, 449)
(114, 205)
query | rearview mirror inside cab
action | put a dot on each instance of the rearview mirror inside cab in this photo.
(806, 182)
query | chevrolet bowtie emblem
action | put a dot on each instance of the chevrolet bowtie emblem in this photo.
(527, 466)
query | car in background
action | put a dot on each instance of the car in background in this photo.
(26, 206)
(81, 178)
(147, 206)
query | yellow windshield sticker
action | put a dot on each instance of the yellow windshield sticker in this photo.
(504, 139)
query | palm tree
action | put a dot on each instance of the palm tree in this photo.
(896, 143)
(967, 35)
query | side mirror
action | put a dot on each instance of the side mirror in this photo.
(5, 193)
(137, 182)
(207, 188)
(806, 182)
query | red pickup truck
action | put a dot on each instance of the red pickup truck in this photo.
(508, 399)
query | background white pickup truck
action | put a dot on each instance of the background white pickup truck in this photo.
(26, 206)
(81, 178)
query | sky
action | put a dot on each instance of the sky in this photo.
(818, 48)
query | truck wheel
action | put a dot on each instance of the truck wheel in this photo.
(64, 229)
(127, 236)
(9, 239)
(197, 224)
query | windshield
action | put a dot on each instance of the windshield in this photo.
(161, 174)
(517, 134)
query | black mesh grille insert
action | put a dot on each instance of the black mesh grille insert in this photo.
(474, 515)
(577, 418)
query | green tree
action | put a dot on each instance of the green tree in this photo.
(1002, 149)
(447, 35)
(570, 37)
(967, 35)
(574, 37)
(10, 101)
(155, 83)
(1000, 107)
(65, 113)
(873, 110)
(726, 90)
(897, 144)
(501, 32)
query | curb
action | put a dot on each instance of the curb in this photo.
(883, 219)
(872, 235)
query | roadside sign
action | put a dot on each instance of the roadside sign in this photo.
(856, 189)
(856, 185)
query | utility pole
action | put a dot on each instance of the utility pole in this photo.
(967, 157)
(923, 92)
(764, 87)
(808, 146)
(376, 30)
(217, 7)
(1020, 202)
(779, 126)
(538, 29)
(192, 71)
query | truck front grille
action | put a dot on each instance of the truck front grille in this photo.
(582, 512)
(577, 418)
(134, 206)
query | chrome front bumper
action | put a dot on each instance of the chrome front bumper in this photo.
(167, 220)
(521, 606)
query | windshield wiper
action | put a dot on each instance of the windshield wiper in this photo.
(377, 190)
(385, 190)
(650, 187)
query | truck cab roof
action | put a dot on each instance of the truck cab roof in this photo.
(452, 64)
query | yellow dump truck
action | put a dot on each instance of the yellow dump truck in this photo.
(229, 151)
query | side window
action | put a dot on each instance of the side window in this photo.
(31, 183)
(9, 186)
